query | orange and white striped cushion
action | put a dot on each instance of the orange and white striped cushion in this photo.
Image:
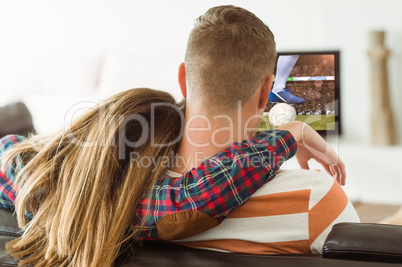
(293, 213)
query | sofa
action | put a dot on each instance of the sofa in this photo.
(158, 253)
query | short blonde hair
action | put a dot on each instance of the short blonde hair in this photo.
(229, 53)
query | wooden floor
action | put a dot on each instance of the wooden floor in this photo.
(373, 213)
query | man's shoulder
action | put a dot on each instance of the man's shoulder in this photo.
(315, 188)
(321, 187)
(290, 180)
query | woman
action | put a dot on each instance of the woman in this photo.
(78, 184)
(85, 194)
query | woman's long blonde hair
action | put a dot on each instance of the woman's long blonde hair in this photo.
(81, 185)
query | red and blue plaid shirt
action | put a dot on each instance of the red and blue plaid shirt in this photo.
(7, 178)
(216, 187)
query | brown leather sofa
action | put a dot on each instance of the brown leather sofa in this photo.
(166, 254)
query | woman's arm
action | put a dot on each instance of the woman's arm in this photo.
(8, 173)
(222, 182)
(312, 146)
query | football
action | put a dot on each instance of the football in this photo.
(281, 113)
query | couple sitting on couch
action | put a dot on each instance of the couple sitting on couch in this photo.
(136, 168)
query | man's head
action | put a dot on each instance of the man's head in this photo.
(230, 52)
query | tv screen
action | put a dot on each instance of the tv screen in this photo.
(308, 81)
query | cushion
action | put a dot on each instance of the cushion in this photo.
(15, 118)
(8, 224)
(364, 241)
(5, 259)
(8, 231)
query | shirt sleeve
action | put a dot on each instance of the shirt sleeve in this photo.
(222, 182)
(8, 173)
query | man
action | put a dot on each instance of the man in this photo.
(226, 80)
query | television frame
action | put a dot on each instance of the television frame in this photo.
(336, 53)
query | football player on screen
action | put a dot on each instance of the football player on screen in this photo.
(279, 92)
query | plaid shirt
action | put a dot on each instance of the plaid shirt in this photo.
(216, 187)
(7, 188)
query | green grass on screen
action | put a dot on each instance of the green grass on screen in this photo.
(317, 122)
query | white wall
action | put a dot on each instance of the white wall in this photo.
(73, 47)
(54, 54)
(46, 45)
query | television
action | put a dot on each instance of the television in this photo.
(313, 77)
